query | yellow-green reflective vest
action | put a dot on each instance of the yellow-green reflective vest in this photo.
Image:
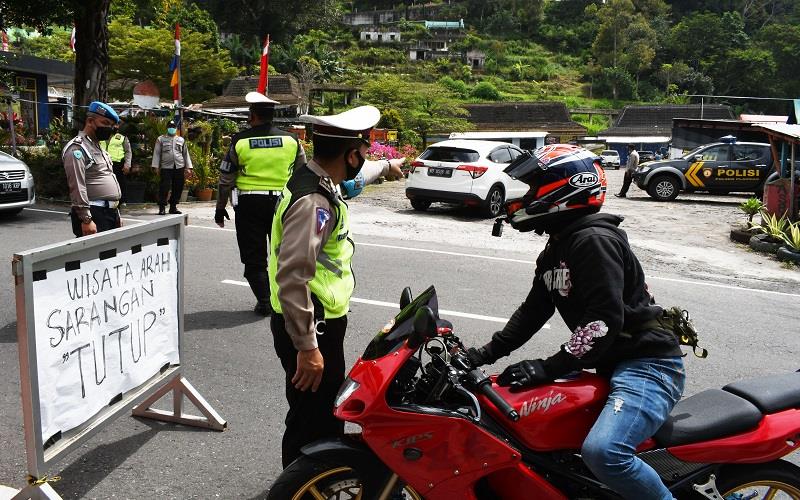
(333, 281)
(265, 161)
(115, 147)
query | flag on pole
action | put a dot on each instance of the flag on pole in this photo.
(72, 40)
(175, 66)
(5, 41)
(263, 77)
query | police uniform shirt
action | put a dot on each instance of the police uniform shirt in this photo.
(230, 168)
(126, 147)
(89, 179)
(170, 151)
(304, 236)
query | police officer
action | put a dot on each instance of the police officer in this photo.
(118, 148)
(252, 175)
(171, 159)
(311, 278)
(93, 188)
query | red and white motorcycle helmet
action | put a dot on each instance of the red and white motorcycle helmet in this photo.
(565, 182)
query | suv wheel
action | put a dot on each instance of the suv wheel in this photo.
(420, 205)
(663, 188)
(494, 202)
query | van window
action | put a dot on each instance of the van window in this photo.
(745, 152)
(449, 154)
(717, 153)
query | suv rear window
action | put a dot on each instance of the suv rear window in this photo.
(745, 152)
(450, 155)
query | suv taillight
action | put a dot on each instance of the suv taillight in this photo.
(473, 170)
(415, 165)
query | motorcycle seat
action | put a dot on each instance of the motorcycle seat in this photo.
(710, 414)
(771, 393)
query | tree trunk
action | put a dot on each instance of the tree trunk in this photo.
(91, 52)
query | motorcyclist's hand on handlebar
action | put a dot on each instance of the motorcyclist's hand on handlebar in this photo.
(309, 370)
(479, 356)
(524, 374)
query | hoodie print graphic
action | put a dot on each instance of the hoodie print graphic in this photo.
(558, 279)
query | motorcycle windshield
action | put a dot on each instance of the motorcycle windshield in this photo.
(397, 330)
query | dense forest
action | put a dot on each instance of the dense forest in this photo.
(584, 52)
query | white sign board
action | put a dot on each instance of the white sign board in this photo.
(103, 327)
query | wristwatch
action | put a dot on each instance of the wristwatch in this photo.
(87, 219)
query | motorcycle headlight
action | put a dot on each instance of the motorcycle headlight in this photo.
(345, 391)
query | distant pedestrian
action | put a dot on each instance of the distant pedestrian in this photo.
(171, 159)
(93, 188)
(630, 167)
(118, 148)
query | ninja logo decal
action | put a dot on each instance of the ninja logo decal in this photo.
(558, 279)
(541, 404)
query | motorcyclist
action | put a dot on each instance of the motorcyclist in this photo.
(589, 273)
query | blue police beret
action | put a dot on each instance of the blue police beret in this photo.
(104, 110)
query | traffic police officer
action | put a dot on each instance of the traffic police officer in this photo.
(171, 159)
(252, 175)
(93, 188)
(311, 279)
(119, 149)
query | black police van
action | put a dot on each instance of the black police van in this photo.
(719, 168)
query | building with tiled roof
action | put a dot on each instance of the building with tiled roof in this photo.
(545, 116)
(637, 122)
(283, 88)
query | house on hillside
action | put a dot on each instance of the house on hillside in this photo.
(283, 88)
(549, 117)
(378, 36)
(437, 45)
(376, 17)
(32, 77)
(650, 127)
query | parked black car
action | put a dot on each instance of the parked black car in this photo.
(720, 167)
(646, 156)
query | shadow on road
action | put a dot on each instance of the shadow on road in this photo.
(8, 333)
(216, 320)
(693, 201)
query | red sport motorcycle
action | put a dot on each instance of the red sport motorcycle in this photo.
(434, 427)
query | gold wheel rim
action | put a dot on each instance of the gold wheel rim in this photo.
(310, 487)
(775, 487)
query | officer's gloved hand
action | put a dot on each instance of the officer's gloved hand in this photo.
(479, 356)
(524, 374)
(220, 215)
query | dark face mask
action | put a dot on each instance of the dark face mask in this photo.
(103, 133)
(352, 171)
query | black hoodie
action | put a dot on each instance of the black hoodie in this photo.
(590, 274)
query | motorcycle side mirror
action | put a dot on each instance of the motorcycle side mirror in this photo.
(424, 327)
(405, 297)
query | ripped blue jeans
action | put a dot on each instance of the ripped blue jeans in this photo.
(643, 392)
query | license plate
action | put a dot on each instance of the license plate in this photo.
(440, 172)
(10, 186)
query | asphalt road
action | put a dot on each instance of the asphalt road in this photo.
(228, 354)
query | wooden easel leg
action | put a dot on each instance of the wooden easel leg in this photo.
(181, 387)
(37, 492)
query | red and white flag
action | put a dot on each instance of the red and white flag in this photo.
(264, 75)
(72, 40)
(5, 42)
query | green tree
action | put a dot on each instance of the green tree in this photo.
(435, 111)
(144, 54)
(191, 17)
(486, 91)
(783, 42)
(52, 46)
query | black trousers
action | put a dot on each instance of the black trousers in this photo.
(310, 417)
(626, 183)
(104, 218)
(254, 214)
(171, 180)
(122, 179)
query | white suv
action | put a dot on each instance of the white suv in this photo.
(16, 185)
(610, 158)
(466, 172)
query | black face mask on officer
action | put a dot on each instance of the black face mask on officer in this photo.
(103, 133)
(351, 171)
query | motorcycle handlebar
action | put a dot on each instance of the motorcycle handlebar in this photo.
(485, 386)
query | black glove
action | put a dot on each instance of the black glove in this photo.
(479, 356)
(220, 215)
(524, 374)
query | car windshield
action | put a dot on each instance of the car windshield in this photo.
(448, 154)
(690, 154)
(609, 153)
(397, 330)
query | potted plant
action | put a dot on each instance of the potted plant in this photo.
(771, 239)
(790, 251)
(202, 170)
(741, 233)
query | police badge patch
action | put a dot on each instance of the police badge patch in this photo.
(77, 154)
(323, 216)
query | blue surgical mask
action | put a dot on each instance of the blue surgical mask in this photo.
(172, 131)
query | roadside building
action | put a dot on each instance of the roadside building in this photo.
(283, 88)
(550, 118)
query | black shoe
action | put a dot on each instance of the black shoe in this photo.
(263, 309)
(174, 210)
(619, 195)
(161, 211)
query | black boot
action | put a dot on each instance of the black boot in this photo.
(259, 284)
(174, 210)
(161, 210)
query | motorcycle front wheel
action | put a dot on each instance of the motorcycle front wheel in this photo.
(778, 480)
(310, 479)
